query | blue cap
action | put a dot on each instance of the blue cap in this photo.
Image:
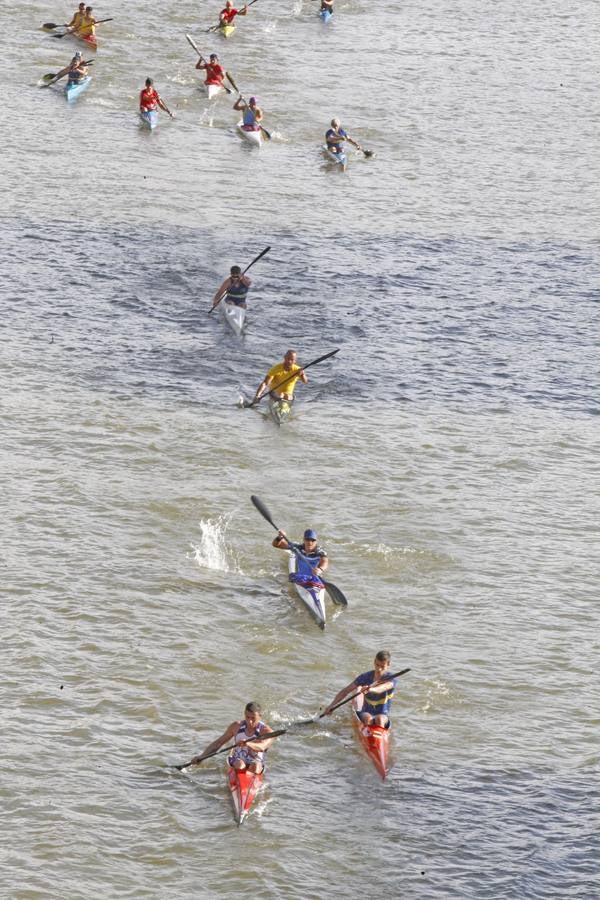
(310, 534)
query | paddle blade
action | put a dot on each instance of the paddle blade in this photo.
(192, 44)
(336, 595)
(263, 510)
(49, 26)
(231, 82)
(369, 153)
(266, 133)
(256, 259)
(48, 77)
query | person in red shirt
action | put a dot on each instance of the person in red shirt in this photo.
(227, 15)
(214, 72)
(150, 99)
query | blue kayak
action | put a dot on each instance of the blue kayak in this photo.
(149, 119)
(340, 158)
(74, 88)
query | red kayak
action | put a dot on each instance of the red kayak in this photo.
(244, 786)
(376, 743)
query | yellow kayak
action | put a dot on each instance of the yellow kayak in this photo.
(227, 30)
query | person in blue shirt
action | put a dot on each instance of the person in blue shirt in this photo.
(335, 136)
(312, 560)
(377, 693)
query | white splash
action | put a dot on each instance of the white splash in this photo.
(212, 552)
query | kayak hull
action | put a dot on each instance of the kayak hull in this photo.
(313, 599)
(280, 410)
(325, 16)
(375, 741)
(74, 90)
(339, 159)
(213, 90)
(234, 316)
(254, 138)
(226, 30)
(149, 119)
(244, 787)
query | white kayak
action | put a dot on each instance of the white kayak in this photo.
(340, 158)
(313, 599)
(252, 137)
(213, 90)
(280, 410)
(233, 315)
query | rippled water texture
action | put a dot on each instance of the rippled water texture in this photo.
(447, 455)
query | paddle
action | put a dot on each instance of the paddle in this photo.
(334, 592)
(266, 133)
(289, 378)
(367, 153)
(358, 693)
(99, 22)
(56, 76)
(220, 25)
(192, 44)
(255, 737)
(255, 260)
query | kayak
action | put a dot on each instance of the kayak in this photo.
(375, 741)
(339, 158)
(253, 137)
(89, 40)
(227, 30)
(244, 787)
(280, 410)
(149, 119)
(325, 15)
(313, 598)
(213, 90)
(233, 315)
(75, 88)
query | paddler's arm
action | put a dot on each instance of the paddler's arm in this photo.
(263, 386)
(340, 696)
(322, 567)
(243, 11)
(227, 735)
(240, 104)
(200, 64)
(221, 292)
(262, 743)
(280, 541)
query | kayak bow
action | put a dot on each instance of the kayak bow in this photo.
(244, 787)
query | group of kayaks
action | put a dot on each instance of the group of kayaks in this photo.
(244, 785)
(149, 118)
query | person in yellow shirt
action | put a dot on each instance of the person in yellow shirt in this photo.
(279, 375)
(78, 17)
(88, 23)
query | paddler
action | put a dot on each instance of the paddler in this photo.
(150, 99)
(251, 114)
(215, 73)
(248, 753)
(78, 17)
(289, 372)
(311, 560)
(335, 136)
(228, 14)
(327, 6)
(77, 69)
(373, 707)
(233, 289)
(87, 27)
